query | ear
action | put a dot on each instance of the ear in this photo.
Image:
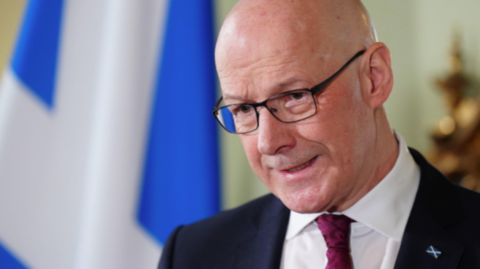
(378, 76)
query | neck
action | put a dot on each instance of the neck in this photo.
(385, 152)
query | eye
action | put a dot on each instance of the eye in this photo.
(297, 95)
(245, 109)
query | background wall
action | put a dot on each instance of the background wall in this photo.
(418, 34)
(10, 14)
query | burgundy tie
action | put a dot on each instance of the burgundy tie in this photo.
(336, 231)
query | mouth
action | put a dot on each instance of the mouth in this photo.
(300, 167)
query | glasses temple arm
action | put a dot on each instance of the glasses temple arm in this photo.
(328, 80)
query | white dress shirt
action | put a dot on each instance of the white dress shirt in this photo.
(381, 216)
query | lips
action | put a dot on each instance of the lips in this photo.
(300, 167)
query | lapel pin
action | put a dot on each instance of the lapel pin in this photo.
(434, 252)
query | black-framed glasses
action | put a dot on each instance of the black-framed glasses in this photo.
(287, 107)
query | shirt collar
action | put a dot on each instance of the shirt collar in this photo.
(396, 193)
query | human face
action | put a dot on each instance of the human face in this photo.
(317, 164)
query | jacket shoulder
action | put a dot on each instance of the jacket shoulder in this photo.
(470, 202)
(445, 215)
(212, 243)
(237, 218)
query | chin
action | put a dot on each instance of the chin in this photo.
(304, 204)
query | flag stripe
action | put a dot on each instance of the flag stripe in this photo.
(7, 260)
(36, 55)
(181, 174)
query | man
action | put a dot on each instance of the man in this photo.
(304, 83)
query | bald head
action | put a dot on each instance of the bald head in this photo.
(321, 28)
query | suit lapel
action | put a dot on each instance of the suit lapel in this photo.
(436, 206)
(263, 248)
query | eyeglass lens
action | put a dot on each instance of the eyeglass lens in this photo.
(287, 107)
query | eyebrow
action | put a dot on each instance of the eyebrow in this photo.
(231, 97)
(275, 90)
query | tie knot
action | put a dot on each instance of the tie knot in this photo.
(335, 230)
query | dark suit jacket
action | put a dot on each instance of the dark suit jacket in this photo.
(443, 215)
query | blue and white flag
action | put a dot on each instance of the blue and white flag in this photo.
(107, 141)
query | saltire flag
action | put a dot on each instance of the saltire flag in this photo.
(107, 142)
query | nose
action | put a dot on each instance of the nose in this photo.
(274, 136)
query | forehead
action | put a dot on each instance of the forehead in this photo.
(266, 77)
(265, 67)
(267, 51)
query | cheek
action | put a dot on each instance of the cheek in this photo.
(341, 124)
(335, 119)
(249, 142)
